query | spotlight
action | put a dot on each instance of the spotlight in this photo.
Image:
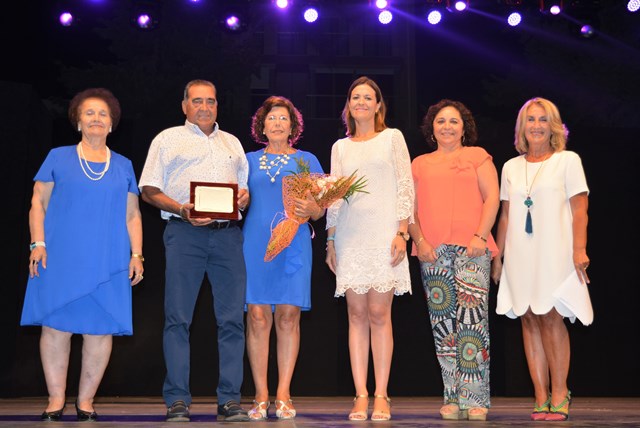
(587, 31)
(144, 21)
(385, 17)
(434, 17)
(145, 14)
(555, 9)
(66, 19)
(382, 4)
(282, 4)
(310, 14)
(233, 23)
(514, 19)
(633, 5)
(460, 5)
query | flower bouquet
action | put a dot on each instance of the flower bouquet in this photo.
(324, 188)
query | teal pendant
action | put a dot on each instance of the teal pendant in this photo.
(528, 202)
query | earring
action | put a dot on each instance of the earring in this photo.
(463, 138)
(79, 128)
(110, 129)
(433, 138)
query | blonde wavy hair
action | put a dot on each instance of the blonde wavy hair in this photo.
(559, 132)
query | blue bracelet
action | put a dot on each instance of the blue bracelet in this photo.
(331, 238)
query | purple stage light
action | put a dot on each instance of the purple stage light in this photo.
(460, 5)
(66, 19)
(233, 23)
(385, 17)
(633, 5)
(434, 17)
(555, 9)
(587, 31)
(382, 4)
(310, 15)
(514, 19)
(282, 4)
(144, 21)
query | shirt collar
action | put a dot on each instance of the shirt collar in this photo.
(193, 127)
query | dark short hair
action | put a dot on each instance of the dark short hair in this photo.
(257, 122)
(468, 122)
(197, 82)
(101, 94)
(379, 123)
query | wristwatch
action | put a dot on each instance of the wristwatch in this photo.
(405, 235)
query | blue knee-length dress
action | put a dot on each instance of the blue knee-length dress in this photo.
(287, 278)
(85, 288)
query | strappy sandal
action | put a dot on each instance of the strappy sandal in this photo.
(285, 410)
(360, 415)
(561, 411)
(540, 412)
(259, 411)
(381, 415)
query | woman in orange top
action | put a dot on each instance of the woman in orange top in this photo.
(457, 199)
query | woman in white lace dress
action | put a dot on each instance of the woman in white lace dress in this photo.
(366, 238)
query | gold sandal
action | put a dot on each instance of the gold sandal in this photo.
(361, 415)
(381, 415)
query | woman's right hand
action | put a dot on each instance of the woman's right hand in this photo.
(426, 252)
(37, 257)
(331, 257)
(496, 269)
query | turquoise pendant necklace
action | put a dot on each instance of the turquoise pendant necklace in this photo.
(528, 202)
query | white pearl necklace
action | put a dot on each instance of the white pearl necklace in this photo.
(267, 165)
(85, 165)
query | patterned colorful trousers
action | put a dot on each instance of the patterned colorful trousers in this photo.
(457, 292)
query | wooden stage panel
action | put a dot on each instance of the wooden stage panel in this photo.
(408, 412)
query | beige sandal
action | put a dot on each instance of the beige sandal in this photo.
(451, 412)
(381, 415)
(478, 413)
(361, 415)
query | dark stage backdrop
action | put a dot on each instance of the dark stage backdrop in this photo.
(595, 86)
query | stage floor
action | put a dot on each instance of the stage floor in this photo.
(407, 412)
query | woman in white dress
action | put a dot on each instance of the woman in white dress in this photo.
(367, 238)
(542, 232)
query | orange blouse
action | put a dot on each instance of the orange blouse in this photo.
(448, 198)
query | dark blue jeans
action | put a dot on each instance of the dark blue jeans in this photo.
(190, 253)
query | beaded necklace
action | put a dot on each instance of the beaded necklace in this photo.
(278, 162)
(85, 165)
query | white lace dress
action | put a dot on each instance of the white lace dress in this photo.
(366, 226)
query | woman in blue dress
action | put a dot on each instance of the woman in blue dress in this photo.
(279, 289)
(86, 252)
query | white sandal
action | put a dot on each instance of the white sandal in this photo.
(259, 411)
(283, 409)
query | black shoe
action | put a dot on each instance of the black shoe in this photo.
(54, 416)
(232, 412)
(178, 412)
(84, 416)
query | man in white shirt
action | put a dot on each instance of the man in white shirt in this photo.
(199, 151)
